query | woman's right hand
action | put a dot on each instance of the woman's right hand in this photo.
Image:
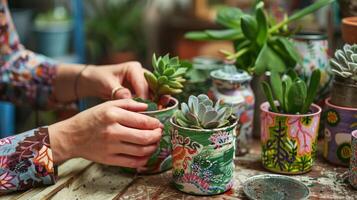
(110, 133)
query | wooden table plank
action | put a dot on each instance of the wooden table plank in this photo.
(96, 182)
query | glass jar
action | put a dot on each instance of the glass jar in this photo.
(232, 86)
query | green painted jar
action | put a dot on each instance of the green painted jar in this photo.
(203, 159)
(161, 159)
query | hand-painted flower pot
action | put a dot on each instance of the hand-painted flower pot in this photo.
(339, 123)
(313, 48)
(353, 162)
(161, 159)
(233, 88)
(203, 159)
(289, 142)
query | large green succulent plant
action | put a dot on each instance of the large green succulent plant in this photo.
(345, 62)
(260, 43)
(291, 92)
(167, 77)
(201, 113)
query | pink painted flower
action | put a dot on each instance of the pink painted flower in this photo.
(266, 123)
(5, 181)
(6, 140)
(3, 162)
(303, 133)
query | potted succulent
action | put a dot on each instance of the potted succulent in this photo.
(340, 110)
(202, 138)
(52, 30)
(166, 79)
(290, 123)
(261, 44)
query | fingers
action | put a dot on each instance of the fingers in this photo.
(135, 76)
(129, 105)
(132, 149)
(126, 161)
(121, 93)
(135, 136)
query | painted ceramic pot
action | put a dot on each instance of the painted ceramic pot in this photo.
(339, 123)
(161, 160)
(233, 87)
(203, 159)
(344, 92)
(289, 142)
(313, 48)
(353, 162)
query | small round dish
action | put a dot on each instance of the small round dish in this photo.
(275, 187)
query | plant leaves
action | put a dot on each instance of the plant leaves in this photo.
(228, 34)
(229, 17)
(276, 84)
(267, 58)
(198, 35)
(312, 90)
(296, 96)
(290, 49)
(262, 26)
(269, 95)
(249, 27)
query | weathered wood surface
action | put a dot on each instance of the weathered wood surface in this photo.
(82, 179)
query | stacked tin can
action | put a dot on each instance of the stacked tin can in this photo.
(232, 86)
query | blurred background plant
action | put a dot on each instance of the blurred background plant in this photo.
(115, 31)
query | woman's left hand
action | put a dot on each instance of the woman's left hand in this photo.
(100, 81)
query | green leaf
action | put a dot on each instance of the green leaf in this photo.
(301, 13)
(269, 95)
(169, 72)
(312, 90)
(229, 17)
(152, 106)
(198, 35)
(292, 74)
(152, 81)
(249, 27)
(262, 26)
(290, 49)
(276, 84)
(162, 80)
(296, 96)
(267, 58)
(228, 34)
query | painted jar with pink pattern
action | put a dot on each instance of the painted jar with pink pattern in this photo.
(289, 142)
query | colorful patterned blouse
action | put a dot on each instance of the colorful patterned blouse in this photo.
(25, 78)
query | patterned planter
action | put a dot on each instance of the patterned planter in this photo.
(203, 159)
(161, 160)
(339, 123)
(234, 89)
(353, 162)
(289, 141)
(313, 48)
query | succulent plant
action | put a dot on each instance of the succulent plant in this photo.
(345, 62)
(291, 92)
(200, 113)
(167, 77)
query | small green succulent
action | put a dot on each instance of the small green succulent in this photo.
(345, 62)
(291, 92)
(200, 113)
(167, 77)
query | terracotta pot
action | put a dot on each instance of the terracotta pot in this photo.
(344, 92)
(289, 142)
(353, 163)
(339, 123)
(349, 30)
(161, 160)
(203, 159)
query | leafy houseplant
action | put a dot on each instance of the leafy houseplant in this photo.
(290, 123)
(166, 79)
(344, 66)
(203, 138)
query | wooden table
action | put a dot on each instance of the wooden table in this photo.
(82, 179)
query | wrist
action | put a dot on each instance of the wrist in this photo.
(61, 143)
(86, 83)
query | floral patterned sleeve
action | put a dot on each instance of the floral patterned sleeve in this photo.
(25, 77)
(26, 161)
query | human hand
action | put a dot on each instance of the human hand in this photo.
(109, 133)
(100, 81)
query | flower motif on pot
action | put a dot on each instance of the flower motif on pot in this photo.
(267, 121)
(181, 148)
(220, 139)
(332, 117)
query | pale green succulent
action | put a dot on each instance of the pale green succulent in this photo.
(345, 62)
(201, 113)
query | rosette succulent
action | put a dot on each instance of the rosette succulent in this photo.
(167, 77)
(345, 62)
(201, 113)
